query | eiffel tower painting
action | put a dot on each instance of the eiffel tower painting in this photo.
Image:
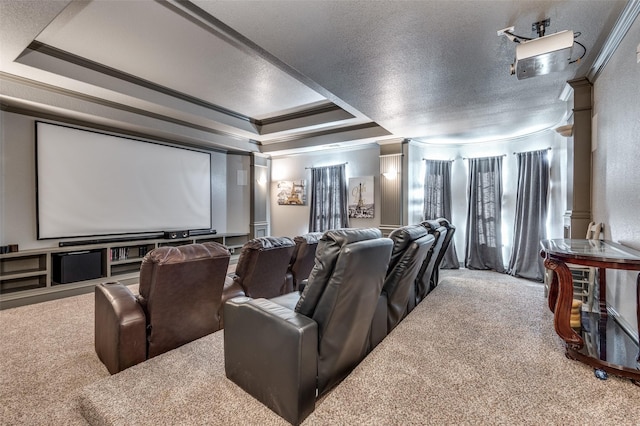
(361, 204)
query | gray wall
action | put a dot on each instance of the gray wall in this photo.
(18, 186)
(289, 221)
(615, 157)
(293, 220)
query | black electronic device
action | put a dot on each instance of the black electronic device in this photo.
(76, 266)
(172, 235)
(198, 232)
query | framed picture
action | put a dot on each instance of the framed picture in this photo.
(361, 204)
(292, 192)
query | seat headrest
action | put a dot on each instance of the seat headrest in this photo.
(169, 254)
(402, 238)
(309, 238)
(342, 237)
(443, 222)
(433, 225)
(268, 243)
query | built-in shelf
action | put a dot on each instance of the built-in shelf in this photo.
(27, 276)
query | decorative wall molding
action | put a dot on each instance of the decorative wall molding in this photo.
(620, 28)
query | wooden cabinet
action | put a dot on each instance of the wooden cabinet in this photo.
(27, 276)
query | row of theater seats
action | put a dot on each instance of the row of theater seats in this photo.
(361, 287)
(183, 289)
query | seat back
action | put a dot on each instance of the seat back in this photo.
(425, 276)
(594, 230)
(262, 266)
(302, 260)
(180, 292)
(449, 255)
(446, 243)
(341, 297)
(411, 244)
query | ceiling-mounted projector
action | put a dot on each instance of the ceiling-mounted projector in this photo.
(543, 55)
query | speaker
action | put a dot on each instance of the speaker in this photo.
(172, 235)
(76, 266)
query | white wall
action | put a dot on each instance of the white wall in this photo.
(289, 221)
(615, 158)
(459, 184)
(18, 185)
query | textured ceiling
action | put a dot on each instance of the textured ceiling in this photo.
(297, 75)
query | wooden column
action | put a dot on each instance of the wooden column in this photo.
(578, 214)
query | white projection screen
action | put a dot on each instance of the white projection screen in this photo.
(94, 184)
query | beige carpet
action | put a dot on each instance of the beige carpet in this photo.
(479, 350)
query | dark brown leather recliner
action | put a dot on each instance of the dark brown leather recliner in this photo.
(282, 356)
(262, 267)
(411, 244)
(180, 300)
(302, 260)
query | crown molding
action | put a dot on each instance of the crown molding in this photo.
(620, 28)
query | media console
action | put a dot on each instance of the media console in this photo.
(31, 276)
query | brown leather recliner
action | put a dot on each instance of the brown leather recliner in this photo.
(411, 246)
(302, 260)
(281, 356)
(262, 267)
(180, 300)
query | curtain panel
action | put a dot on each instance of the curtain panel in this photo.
(531, 215)
(437, 202)
(329, 202)
(484, 224)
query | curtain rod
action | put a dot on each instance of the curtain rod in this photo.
(429, 159)
(548, 149)
(494, 156)
(330, 165)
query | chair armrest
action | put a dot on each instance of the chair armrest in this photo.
(120, 327)
(271, 352)
(230, 290)
(302, 285)
(289, 300)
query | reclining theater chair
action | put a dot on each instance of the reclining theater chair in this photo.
(302, 260)
(181, 299)
(282, 356)
(262, 267)
(435, 275)
(424, 281)
(449, 255)
(411, 244)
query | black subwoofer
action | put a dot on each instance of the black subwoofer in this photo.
(76, 266)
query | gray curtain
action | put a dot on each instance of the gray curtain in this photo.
(437, 202)
(484, 234)
(329, 202)
(531, 215)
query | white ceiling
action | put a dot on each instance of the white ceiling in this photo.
(286, 76)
